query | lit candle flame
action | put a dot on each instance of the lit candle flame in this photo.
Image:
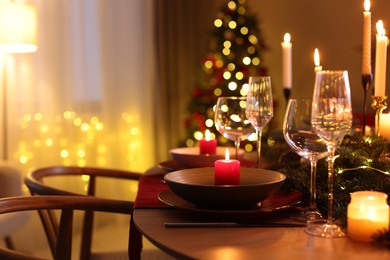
(379, 28)
(287, 37)
(316, 58)
(367, 5)
(227, 155)
(207, 135)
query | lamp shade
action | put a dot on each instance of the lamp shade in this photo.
(18, 27)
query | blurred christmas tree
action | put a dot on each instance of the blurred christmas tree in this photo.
(235, 54)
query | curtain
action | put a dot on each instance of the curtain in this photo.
(86, 96)
(182, 35)
(109, 84)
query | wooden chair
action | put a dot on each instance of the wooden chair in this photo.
(35, 182)
(10, 186)
(61, 244)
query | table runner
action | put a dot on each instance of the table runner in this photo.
(147, 197)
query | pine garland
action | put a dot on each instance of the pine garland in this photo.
(363, 163)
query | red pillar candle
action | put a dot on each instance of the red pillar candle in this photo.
(227, 172)
(208, 145)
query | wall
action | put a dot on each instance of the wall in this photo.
(334, 27)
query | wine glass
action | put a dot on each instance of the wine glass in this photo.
(300, 137)
(259, 108)
(331, 119)
(230, 119)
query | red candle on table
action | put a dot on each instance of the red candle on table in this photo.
(227, 172)
(208, 145)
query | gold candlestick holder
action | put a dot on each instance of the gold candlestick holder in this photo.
(379, 104)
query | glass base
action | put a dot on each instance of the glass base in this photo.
(328, 230)
(310, 215)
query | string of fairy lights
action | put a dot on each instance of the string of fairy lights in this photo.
(71, 139)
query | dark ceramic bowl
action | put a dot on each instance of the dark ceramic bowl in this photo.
(190, 156)
(197, 186)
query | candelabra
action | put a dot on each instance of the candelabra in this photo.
(366, 82)
(379, 104)
(287, 94)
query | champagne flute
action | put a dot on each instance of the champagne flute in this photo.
(230, 119)
(259, 109)
(300, 137)
(331, 120)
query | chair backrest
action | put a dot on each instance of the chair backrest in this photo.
(35, 182)
(67, 205)
(10, 186)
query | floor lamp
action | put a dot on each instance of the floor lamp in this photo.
(18, 34)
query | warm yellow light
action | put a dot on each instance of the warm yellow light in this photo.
(99, 126)
(64, 153)
(49, 142)
(190, 143)
(245, 87)
(246, 60)
(239, 75)
(232, 24)
(226, 51)
(84, 127)
(253, 39)
(23, 159)
(218, 23)
(217, 92)
(367, 5)
(18, 27)
(241, 10)
(208, 64)
(227, 44)
(77, 121)
(27, 117)
(38, 116)
(134, 131)
(380, 29)
(232, 5)
(209, 122)
(81, 153)
(85, 177)
(69, 115)
(94, 120)
(198, 135)
(244, 30)
(287, 37)
(44, 128)
(256, 61)
(316, 57)
(232, 86)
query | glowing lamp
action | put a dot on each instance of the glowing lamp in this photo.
(18, 27)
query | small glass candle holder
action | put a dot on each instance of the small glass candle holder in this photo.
(368, 213)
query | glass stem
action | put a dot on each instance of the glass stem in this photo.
(313, 183)
(258, 131)
(331, 151)
(237, 144)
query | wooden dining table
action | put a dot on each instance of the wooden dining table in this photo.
(228, 241)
